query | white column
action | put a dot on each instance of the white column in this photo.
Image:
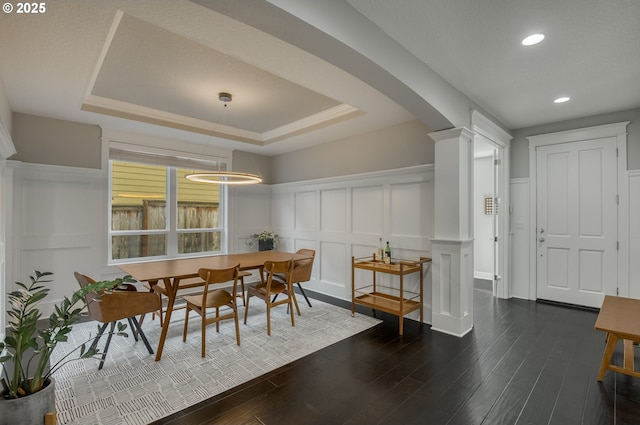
(452, 245)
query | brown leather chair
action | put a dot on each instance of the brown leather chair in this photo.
(271, 287)
(301, 273)
(302, 270)
(116, 306)
(214, 298)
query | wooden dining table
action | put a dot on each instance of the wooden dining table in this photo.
(171, 272)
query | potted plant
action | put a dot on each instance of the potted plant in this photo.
(27, 348)
(266, 240)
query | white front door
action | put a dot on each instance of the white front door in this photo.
(577, 221)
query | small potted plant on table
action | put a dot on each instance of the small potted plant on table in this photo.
(267, 241)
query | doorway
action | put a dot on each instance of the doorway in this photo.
(575, 189)
(491, 144)
(486, 206)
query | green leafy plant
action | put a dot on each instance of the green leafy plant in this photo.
(265, 235)
(26, 339)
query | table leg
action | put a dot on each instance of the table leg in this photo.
(612, 340)
(628, 355)
(171, 287)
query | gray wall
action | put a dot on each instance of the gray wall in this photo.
(5, 111)
(520, 145)
(399, 146)
(55, 142)
(245, 162)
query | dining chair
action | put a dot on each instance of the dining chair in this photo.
(115, 306)
(301, 273)
(160, 289)
(266, 289)
(213, 296)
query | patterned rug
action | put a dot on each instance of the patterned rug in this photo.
(133, 389)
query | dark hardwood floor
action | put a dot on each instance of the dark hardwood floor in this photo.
(523, 363)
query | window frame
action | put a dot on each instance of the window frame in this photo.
(171, 230)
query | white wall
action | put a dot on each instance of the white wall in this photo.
(58, 224)
(344, 217)
(634, 234)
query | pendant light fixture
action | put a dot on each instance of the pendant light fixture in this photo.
(224, 177)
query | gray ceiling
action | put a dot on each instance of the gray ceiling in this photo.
(309, 72)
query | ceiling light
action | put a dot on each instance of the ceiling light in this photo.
(561, 99)
(532, 39)
(224, 177)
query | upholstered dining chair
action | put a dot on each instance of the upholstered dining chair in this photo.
(270, 287)
(301, 273)
(116, 306)
(213, 297)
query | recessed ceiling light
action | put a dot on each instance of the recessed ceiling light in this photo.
(561, 99)
(532, 39)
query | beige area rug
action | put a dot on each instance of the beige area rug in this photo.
(133, 389)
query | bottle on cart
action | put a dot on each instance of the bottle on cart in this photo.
(387, 251)
(380, 254)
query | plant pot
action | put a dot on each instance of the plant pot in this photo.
(265, 245)
(30, 409)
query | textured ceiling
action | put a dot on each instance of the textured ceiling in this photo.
(304, 73)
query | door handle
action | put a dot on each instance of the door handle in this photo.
(541, 239)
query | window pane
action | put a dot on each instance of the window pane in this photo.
(136, 246)
(198, 242)
(138, 196)
(198, 204)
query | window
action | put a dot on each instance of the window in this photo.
(157, 212)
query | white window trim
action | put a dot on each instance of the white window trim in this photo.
(179, 154)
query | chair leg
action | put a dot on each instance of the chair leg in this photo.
(242, 286)
(94, 344)
(186, 323)
(138, 326)
(246, 308)
(106, 347)
(235, 312)
(203, 327)
(134, 329)
(218, 322)
(295, 301)
(291, 310)
(268, 318)
(303, 294)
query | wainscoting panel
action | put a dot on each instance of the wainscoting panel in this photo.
(367, 208)
(333, 204)
(58, 225)
(634, 234)
(252, 206)
(305, 211)
(353, 213)
(282, 211)
(333, 268)
(56, 208)
(411, 207)
(63, 262)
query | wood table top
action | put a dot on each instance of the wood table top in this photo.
(621, 316)
(188, 267)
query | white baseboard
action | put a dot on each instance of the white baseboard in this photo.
(482, 275)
